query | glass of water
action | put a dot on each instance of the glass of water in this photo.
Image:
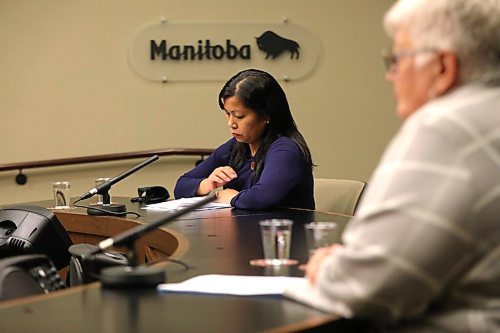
(61, 195)
(276, 241)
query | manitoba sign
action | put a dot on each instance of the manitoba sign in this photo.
(175, 51)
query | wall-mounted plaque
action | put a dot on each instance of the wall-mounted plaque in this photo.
(185, 51)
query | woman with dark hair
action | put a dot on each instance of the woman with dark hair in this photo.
(267, 162)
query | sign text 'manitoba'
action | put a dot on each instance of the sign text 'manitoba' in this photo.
(203, 50)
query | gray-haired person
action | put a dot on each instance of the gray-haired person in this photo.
(423, 252)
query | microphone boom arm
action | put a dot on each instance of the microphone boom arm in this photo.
(129, 236)
(104, 187)
(134, 275)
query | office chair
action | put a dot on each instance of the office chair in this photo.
(337, 195)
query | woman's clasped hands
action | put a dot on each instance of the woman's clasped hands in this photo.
(219, 177)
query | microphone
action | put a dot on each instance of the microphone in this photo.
(133, 275)
(104, 188)
(129, 236)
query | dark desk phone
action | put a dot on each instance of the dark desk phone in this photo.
(26, 275)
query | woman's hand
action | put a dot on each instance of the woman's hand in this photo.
(219, 177)
(226, 195)
(313, 265)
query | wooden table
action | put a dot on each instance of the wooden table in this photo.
(217, 241)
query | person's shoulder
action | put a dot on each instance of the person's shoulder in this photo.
(222, 153)
(284, 143)
(226, 146)
(467, 101)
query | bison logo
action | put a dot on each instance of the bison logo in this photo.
(274, 45)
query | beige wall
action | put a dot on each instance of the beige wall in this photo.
(66, 89)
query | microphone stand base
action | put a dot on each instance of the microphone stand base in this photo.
(107, 209)
(126, 277)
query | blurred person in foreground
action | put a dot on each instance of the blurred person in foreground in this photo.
(423, 252)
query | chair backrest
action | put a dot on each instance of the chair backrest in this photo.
(337, 195)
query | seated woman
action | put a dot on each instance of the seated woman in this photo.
(267, 162)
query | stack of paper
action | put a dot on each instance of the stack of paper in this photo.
(173, 205)
(240, 285)
(294, 288)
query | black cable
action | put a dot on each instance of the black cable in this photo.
(107, 211)
(175, 261)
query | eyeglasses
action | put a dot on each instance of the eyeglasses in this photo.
(391, 58)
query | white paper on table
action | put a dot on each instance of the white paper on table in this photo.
(306, 294)
(173, 205)
(240, 285)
